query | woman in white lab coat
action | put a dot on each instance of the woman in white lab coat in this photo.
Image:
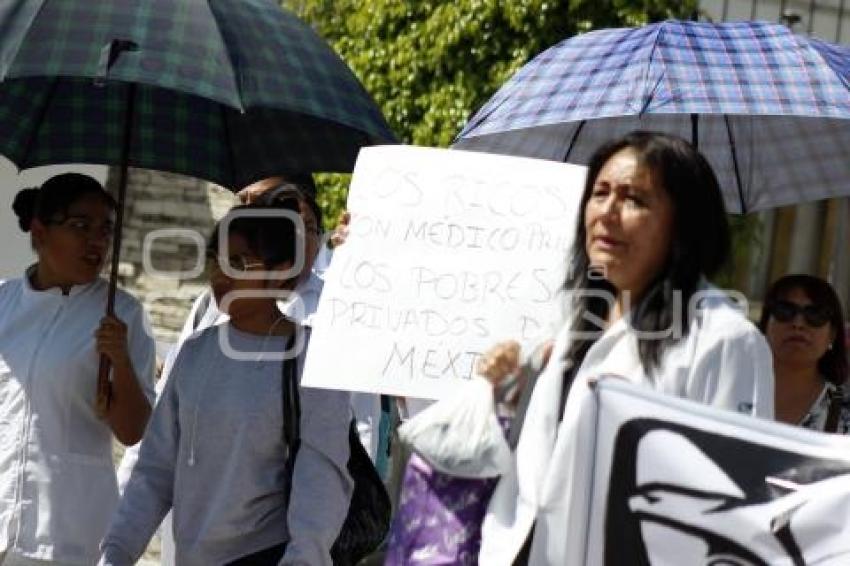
(57, 481)
(653, 228)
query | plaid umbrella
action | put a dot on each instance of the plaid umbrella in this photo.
(225, 90)
(768, 108)
(230, 91)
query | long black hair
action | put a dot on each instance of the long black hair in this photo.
(699, 247)
(50, 203)
(833, 364)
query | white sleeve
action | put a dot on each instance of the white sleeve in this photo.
(737, 371)
(323, 260)
(131, 454)
(143, 356)
(149, 490)
(195, 320)
(142, 348)
(321, 486)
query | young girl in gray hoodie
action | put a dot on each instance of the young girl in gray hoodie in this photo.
(214, 450)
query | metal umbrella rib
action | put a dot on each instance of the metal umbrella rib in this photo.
(734, 157)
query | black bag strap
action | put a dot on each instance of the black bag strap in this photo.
(291, 412)
(836, 399)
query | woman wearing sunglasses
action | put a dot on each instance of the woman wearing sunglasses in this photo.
(804, 325)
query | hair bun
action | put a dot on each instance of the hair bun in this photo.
(24, 207)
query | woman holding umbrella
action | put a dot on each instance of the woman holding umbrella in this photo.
(57, 481)
(652, 229)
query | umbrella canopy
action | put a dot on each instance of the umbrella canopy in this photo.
(769, 109)
(230, 91)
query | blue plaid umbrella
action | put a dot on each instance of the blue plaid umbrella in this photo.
(769, 109)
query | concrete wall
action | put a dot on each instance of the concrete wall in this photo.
(827, 19)
(163, 201)
(155, 201)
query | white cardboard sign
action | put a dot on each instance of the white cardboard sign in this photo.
(449, 252)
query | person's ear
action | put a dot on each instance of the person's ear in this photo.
(39, 232)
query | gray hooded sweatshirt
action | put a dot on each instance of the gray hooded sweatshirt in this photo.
(214, 451)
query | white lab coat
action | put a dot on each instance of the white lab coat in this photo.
(57, 481)
(724, 361)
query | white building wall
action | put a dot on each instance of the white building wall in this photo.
(15, 251)
(827, 19)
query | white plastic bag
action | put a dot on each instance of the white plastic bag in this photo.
(460, 435)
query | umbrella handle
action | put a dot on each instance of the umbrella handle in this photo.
(104, 389)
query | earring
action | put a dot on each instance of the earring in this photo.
(830, 347)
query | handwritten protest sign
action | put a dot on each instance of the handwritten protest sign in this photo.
(449, 252)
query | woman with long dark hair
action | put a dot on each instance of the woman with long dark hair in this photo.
(58, 488)
(803, 321)
(652, 230)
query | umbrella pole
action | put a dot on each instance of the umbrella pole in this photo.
(104, 386)
(573, 140)
(695, 131)
(733, 151)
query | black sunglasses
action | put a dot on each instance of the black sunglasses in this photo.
(814, 315)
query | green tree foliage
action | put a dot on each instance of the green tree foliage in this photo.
(429, 64)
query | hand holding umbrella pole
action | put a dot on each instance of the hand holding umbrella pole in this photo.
(104, 386)
(108, 58)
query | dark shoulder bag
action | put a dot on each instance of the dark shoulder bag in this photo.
(368, 519)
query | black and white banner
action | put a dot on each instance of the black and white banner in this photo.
(675, 483)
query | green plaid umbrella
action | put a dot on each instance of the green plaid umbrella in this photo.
(225, 90)
(231, 91)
